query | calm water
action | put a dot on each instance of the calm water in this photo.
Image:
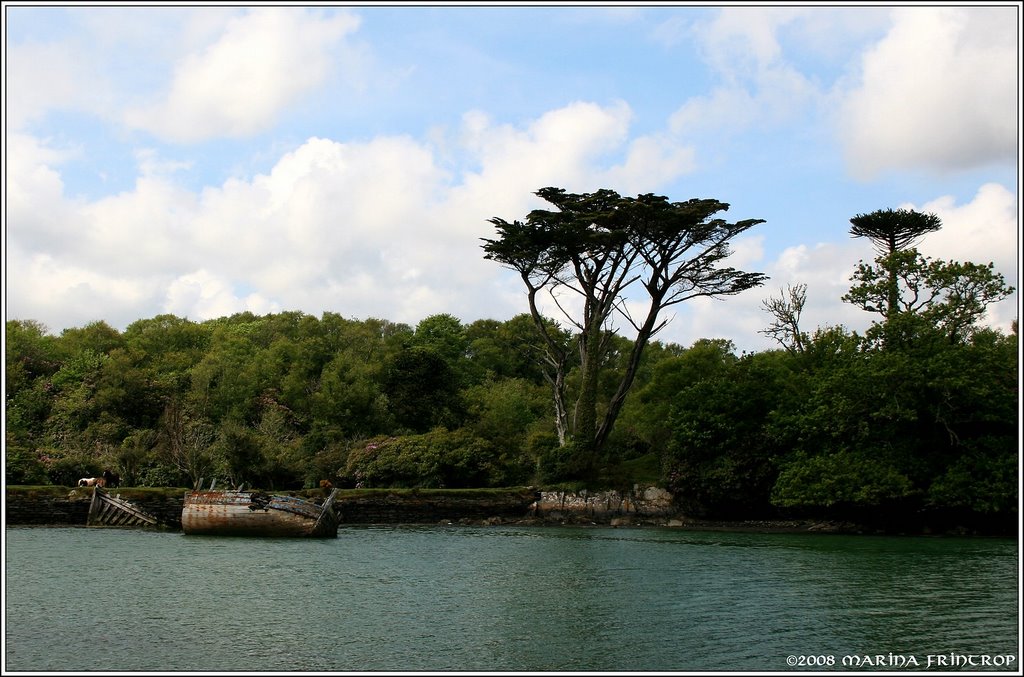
(498, 599)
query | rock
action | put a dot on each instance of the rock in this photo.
(639, 505)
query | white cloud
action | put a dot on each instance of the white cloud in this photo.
(40, 77)
(106, 63)
(939, 91)
(652, 161)
(558, 148)
(137, 232)
(759, 87)
(377, 228)
(151, 164)
(33, 181)
(385, 228)
(204, 295)
(985, 230)
(62, 293)
(31, 174)
(747, 250)
(824, 267)
(731, 107)
(742, 40)
(237, 86)
(672, 31)
(328, 217)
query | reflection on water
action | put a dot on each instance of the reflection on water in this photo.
(497, 599)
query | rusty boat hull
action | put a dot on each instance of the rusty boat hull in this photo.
(254, 513)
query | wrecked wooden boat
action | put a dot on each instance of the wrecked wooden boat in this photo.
(113, 511)
(256, 513)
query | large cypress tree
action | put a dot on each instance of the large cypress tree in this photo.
(596, 246)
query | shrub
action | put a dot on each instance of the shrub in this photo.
(984, 479)
(66, 467)
(24, 466)
(438, 459)
(841, 478)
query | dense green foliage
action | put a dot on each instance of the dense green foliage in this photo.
(286, 400)
(917, 416)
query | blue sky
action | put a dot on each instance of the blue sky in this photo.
(207, 160)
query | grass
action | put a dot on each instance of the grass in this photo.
(60, 490)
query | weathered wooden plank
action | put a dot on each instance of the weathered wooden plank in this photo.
(113, 511)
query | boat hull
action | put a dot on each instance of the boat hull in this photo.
(113, 511)
(249, 513)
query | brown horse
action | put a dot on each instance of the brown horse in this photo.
(111, 479)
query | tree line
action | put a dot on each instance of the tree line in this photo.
(916, 415)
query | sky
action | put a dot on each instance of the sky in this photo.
(205, 160)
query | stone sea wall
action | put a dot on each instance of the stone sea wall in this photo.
(639, 506)
(433, 507)
(47, 505)
(642, 505)
(69, 506)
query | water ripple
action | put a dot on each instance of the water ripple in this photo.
(497, 599)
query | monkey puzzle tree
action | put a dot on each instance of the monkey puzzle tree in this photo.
(891, 231)
(598, 246)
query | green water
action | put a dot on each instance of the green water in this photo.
(503, 599)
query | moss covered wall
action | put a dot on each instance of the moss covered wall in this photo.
(70, 505)
(53, 505)
(432, 506)
(46, 505)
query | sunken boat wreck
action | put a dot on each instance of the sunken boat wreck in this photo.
(257, 513)
(107, 510)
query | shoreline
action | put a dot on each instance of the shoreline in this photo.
(704, 526)
(777, 526)
(68, 506)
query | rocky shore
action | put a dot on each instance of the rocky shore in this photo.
(524, 506)
(640, 507)
(682, 523)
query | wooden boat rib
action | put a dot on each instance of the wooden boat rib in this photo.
(327, 514)
(113, 511)
(255, 513)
